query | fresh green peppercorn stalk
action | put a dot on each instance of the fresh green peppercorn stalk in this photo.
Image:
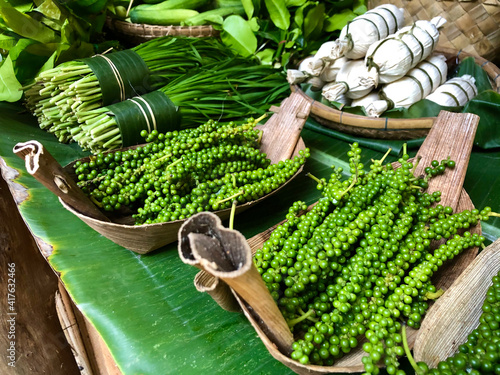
(177, 174)
(359, 263)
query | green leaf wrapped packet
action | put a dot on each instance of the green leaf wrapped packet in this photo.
(223, 91)
(60, 93)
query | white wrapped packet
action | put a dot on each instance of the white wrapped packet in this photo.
(393, 56)
(316, 83)
(420, 81)
(305, 71)
(331, 70)
(366, 29)
(353, 80)
(365, 100)
(359, 34)
(455, 92)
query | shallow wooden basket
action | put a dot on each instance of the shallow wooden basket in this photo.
(143, 32)
(389, 128)
(221, 260)
(280, 140)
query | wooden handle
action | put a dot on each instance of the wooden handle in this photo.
(282, 131)
(42, 165)
(452, 135)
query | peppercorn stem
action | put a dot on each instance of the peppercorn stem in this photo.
(231, 197)
(231, 217)
(418, 370)
(314, 178)
(304, 316)
(434, 295)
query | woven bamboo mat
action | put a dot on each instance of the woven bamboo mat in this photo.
(472, 26)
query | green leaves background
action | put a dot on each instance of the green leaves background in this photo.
(283, 32)
(36, 35)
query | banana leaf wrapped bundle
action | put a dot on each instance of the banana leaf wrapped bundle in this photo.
(58, 94)
(222, 91)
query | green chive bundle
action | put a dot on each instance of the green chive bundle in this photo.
(222, 90)
(60, 93)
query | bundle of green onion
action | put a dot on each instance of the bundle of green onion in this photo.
(58, 94)
(223, 90)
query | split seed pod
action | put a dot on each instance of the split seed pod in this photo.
(455, 92)
(395, 55)
(354, 80)
(426, 77)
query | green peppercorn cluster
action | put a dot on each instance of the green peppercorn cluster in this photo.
(180, 173)
(480, 354)
(359, 262)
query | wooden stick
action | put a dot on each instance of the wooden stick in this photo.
(282, 130)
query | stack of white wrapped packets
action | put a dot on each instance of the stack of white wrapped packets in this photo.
(379, 64)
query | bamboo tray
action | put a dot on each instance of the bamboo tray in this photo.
(389, 128)
(280, 140)
(226, 272)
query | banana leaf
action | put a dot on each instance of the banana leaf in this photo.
(146, 307)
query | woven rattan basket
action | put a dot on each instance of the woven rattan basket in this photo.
(142, 32)
(390, 128)
(472, 26)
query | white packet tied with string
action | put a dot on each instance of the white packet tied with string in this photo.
(455, 92)
(420, 81)
(366, 100)
(394, 56)
(305, 71)
(353, 80)
(359, 34)
(331, 70)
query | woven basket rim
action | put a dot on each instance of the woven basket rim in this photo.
(155, 31)
(373, 126)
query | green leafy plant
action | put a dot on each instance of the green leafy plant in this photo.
(37, 35)
(283, 32)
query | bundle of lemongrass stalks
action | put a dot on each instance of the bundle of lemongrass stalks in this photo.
(379, 65)
(222, 90)
(59, 94)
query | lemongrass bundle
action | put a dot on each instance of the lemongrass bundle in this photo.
(58, 94)
(392, 57)
(420, 81)
(359, 34)
(456, 91)
(221, 91)
(354, 80)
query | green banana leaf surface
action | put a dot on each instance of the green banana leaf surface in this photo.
(146, 307)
